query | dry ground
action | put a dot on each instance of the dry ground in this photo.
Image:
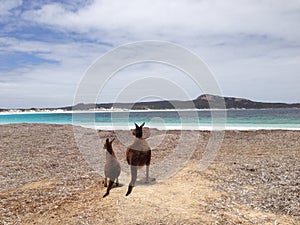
(44, 179)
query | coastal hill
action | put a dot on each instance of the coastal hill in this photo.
(205, 101)
(202, 102)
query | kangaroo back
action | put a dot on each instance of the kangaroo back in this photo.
(139, 153)
(112, 167)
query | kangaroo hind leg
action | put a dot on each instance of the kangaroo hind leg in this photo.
(110, 184)
(133, 179)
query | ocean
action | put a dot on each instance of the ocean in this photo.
(287, 119)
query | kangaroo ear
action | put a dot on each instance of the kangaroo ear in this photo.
(107, 140)
(142, 125)
(136, 126)
(112, 140)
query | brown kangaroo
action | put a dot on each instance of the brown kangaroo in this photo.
(112, 167)
(138, 154)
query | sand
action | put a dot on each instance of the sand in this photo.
(45, 179)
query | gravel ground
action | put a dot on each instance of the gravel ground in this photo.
(46, 179)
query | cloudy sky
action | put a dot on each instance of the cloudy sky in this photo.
(251, 46)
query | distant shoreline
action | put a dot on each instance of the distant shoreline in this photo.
(13, 112)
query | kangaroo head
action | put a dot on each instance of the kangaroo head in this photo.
(108, 145)
(138, 131)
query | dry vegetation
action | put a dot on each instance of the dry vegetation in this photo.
(44, 179)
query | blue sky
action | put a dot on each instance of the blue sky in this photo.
(252, 46)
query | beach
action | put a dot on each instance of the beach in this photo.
(46, 179)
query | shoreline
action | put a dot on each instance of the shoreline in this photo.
(168, 128)
(204, 128)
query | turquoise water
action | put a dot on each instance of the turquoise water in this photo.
(236, 119)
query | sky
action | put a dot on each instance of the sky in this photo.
(252, 48)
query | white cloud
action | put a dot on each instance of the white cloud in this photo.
(140, 19)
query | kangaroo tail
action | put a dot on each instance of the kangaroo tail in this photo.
(111, 182)
(133, 179)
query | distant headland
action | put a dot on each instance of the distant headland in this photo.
(205, 101)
